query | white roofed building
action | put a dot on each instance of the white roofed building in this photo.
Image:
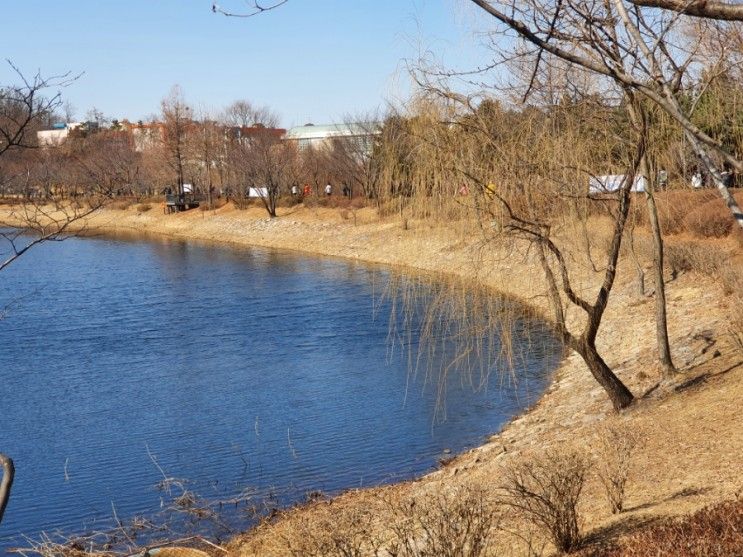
(317, 137)
(55, 136)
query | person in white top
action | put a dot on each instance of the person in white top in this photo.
(696, 180)
(328, 189)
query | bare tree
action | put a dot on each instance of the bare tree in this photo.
(521, 173)
(639, 121)
(24, 109)
(177, 121)
(353, 154)
(265, 165)
(638, 48)
(527, 223)
(317, 166)
(208, 142)
(244, 114)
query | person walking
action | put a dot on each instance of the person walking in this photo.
(328, 190)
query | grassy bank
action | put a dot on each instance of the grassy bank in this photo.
(690, 449)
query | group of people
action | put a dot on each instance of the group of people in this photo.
(328, 190)
(727, 177)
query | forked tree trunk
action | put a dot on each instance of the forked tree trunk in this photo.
(6, 483)
(618, 393)
(620, 396)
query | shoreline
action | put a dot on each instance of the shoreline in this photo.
(572, 406)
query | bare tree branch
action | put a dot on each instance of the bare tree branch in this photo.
(697, 8)
(255, 9)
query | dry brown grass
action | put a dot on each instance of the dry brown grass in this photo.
(217, 203)
(701, 213)
(288, 201)
(710, 219)
(121, 204)
(715, 531)
(459, 522)
(706, 258)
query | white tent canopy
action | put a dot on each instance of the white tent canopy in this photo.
(613, 182)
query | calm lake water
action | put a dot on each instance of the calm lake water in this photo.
(233, 369)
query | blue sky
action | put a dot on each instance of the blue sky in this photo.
(311, 60)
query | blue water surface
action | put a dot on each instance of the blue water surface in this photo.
(235, 370)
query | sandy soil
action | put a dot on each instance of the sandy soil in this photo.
(692, 429)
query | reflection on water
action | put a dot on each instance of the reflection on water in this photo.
(235, 369)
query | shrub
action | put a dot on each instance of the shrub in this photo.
(359, 202)
(545, 490)
(143, 207)
(328, 532)
(705, 259)
(310, 201)
(458, 523)
(614, 447)
(693, 256)
(709, 220)
(675, 206)
(286, 201)
(702, 213)
(121, 205)
(390, 207)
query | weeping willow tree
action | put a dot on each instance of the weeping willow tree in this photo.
(518, 178)
(455, 332)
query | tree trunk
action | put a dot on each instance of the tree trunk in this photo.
(639, 121)
(619, 394)
(639, 271)
(6, 483)
(661, 320)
